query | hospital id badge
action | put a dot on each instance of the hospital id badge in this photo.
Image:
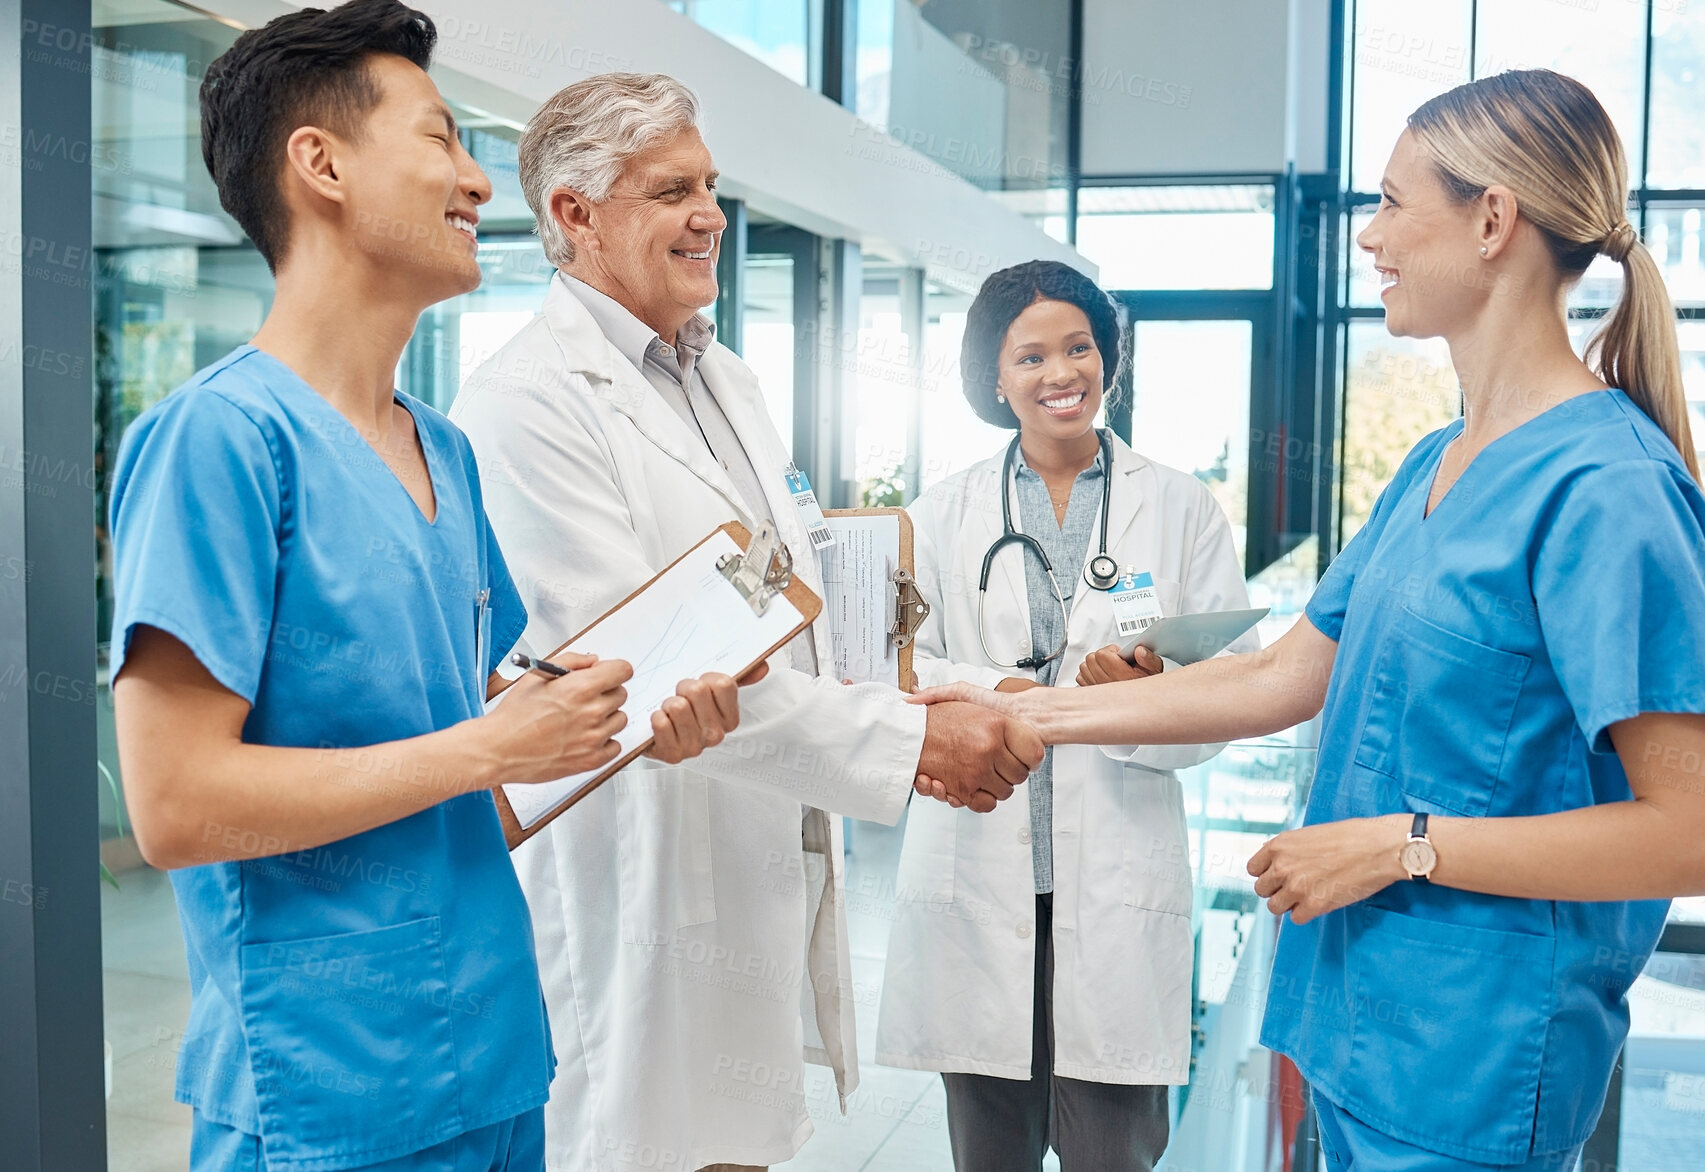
(816, 525)
(1136, 603)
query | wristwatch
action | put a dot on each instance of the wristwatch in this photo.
(1418, 856)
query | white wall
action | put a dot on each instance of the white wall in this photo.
(788, 152)
(1210, 87)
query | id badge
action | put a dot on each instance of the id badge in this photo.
(482, 636)
(816, 525)
(1136, 603)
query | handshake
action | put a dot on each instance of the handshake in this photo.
(974, 756)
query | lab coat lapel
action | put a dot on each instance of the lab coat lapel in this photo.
(1006, 577)
(736, 391)
(614, 379)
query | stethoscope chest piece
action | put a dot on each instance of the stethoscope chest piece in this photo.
(1101, 572)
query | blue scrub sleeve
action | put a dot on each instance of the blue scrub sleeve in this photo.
(196, 513)
(1619, 588)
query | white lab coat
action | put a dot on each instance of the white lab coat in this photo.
(689, 921)
(961, 957)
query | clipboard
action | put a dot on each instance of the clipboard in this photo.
(757, 572)
(871, 599)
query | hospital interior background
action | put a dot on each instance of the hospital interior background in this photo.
(1210, 162)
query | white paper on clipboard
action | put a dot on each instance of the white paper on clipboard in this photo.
(858, 596)
(687, 622)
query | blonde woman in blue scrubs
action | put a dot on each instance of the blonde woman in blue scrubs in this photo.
(1508, 663)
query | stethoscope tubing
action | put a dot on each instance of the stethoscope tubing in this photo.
(1095, 573)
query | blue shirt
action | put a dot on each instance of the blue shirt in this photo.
(1483, 652)
(1067, 545)
(374, 996)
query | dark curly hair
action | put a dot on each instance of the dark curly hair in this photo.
(307, 67)
(1004, 296)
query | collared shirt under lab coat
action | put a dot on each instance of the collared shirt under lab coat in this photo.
(691, 947)
(961, 959)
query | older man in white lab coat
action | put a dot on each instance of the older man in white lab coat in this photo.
(689, 922)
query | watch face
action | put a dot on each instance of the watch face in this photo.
(1419, 856)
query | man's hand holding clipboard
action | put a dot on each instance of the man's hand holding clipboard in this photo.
(665, 661)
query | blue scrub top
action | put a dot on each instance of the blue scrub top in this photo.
(1483, 651)
(378, 995)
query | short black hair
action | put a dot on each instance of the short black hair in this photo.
(1004, 296)
(308, 67)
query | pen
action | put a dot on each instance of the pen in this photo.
(544, 665)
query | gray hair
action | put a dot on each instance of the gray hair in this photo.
(584, 136)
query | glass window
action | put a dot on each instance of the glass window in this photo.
(1363, 279)
(1405, 53)
(951, 436)
(1397, 390)
(1678, 78)
(768, 340)
(783, 34)
(1178, 237)
(883, 387)
(1190, 384)
(1674, 235)
(983, 88)
(1692, 337)
(1601, 45)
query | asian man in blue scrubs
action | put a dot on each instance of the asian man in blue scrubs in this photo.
(309, 608)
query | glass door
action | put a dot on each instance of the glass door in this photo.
(1196, 396)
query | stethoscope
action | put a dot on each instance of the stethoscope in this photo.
(1100, 574)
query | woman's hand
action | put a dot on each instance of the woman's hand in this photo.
(1107, 666)
(1318, 869)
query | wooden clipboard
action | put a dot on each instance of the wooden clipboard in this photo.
(906, 603)
(801, 596)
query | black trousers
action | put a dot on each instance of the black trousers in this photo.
(1008, 1124)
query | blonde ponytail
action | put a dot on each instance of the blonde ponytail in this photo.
(1636, 349)
(1546, 138)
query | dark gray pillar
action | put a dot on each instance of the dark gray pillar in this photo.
(731, 277)
(52, 1116)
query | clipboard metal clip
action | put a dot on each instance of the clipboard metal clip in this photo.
(910, 610)
(763, 571)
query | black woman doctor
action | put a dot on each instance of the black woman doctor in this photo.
(1042, 954)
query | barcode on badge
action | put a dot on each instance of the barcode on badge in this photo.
(821, 536)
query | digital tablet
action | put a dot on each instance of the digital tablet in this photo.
(1187, 638)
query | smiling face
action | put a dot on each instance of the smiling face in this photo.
(653, 243)
(1424, 245)
(1051, 371)
(413, 189)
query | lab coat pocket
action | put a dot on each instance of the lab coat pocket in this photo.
(1439, 708)
(664, 853)
(343, 1030)
(1156, 864)
(1449, 1027)
(929, 853)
